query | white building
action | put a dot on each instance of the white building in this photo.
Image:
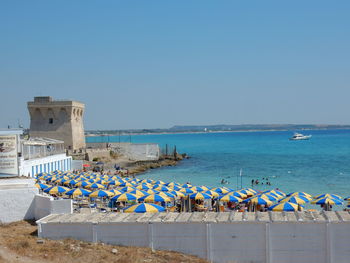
(28, 157)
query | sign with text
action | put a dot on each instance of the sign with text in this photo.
(8, 155)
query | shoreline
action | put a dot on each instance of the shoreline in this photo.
(133, 168)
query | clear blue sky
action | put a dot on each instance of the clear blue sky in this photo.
(149, 64)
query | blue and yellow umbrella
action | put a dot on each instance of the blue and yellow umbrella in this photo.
(327, 201)
(187, 190)
(230, 198)
(144, 208)
(41, 186)
(161, 188)
(154, 198)
(78, 192)
(295, 199)
(139, 193)
(82, 184)
(200, 196)
(95, 186)
(257, 200)
(124, 197)
(101, 193)
(56, 190)
(212, 193)
(285, 206)
(332, 196)
(127, 189)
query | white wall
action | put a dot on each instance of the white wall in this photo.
(46, 205)
(17, 199)
(138, 151)
(46, 164)
(239, 242)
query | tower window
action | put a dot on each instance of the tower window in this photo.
(51, 120)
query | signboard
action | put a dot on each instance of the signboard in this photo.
(8, 155)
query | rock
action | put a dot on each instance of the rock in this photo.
(114, 251)
(40, 241)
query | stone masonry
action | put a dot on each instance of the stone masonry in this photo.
(56, 119)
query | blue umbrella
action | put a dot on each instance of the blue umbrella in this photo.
(143, 208)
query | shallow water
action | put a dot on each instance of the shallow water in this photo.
(318, 165)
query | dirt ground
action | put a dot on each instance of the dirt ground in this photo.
(19, 243)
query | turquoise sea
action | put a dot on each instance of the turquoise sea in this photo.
(318, 165)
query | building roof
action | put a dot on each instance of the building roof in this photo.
(11, 131)
(200, 217)
(41, 141)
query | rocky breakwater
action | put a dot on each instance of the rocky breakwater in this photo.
(164, 160)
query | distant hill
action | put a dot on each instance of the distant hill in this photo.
(222, 127)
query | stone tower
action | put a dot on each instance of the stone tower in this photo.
(61, 120)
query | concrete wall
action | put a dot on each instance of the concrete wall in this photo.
(46, 164)
(94, 153)
(239, 242)
(46, 205)
(17, 199)
(137, 151)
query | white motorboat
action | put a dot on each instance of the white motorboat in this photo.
(299, 136)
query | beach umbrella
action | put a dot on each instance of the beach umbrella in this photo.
(199, 188)
(285, 206)
(95, 186)
(115, 182)
(154, 198)
(258, 201)
(172, 184)
(151, 191)
(333, 196)
(186, 185)
(101, 181)
(56, 190)
(238, 194)
(167, 194)
(347, 198)
(221, 190)
(187, 190)
(230, 198)
(295, 199)
(144, 186)
(82, 184)
(126, 184)
(116, 192)
(124, 197)
(177, 193)
(174, 187)
(161, 188)
(85, 165)
(101, 193)
(150, 181)
(139, 193)
(127, 189)
(41, 186)
(200, 196)
(144, 208)
(247, 192)
(159, 182)
(78, 192)
(71, 182)
(212, 193)
(327, 201)
(277, 192)
(268, 197)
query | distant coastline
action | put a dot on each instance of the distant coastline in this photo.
(215, 129)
